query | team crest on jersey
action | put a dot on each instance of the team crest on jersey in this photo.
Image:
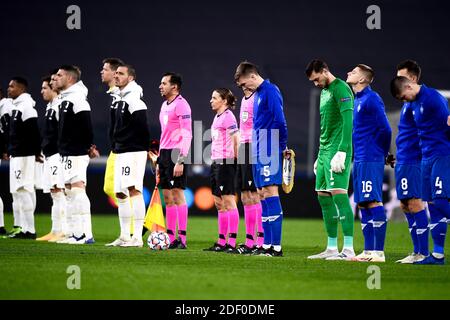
(359, 107)
(245, 116)
(421, 108)
(345, 99)
(259, 100)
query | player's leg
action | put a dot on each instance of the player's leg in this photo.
(338, 184)
(366, 215)
(229, 206)
(439, 184)
(329, 212)
(3, 232)
(371, 184)
(249, 217)
(222, 214)
(408, 182)
(165, 167)
(274, 218)
(182, 215)
(121, 194)
(131, 183)
(24, 194)
(81, 204)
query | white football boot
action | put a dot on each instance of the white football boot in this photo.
(345, 255)
(364, 256)
(118, 242)
(413, 257)
(134, 242)
(325, 254)
(377, 256)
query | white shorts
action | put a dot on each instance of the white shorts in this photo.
(21, 173)
(129, 171)
(39, 176)
(53, 173)
(74, 169)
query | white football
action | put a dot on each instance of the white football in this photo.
(158, 240)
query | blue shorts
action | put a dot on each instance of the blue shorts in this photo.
(368, 181)
(408, 181)
(268, 173)
(436, 178)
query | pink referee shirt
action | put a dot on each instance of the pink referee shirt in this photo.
(223, 127)
(176, 125)
(246, 119)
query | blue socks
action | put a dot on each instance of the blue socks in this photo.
(412, 225)
(438, 224)
(379, 226)
(367, 229)
(422, 232)
(275, 214)
(266, 224)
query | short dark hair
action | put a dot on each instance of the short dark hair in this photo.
(130, 70)
(114, 63)
(397, 85)
(20, 80)
(47, 79)
(73, 70)
(245, 68)
(227, 95)
(316, 66)
(175, 79)
(368, 71)
(412, 68)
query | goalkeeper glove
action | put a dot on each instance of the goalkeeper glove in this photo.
(338, 162)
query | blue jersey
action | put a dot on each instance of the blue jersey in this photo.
(430, 110)
(371, 130)
(268, 115)
(408, 143)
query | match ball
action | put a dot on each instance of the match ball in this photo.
(158, 240)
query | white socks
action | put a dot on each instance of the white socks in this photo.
(58, 209)
(139, 215)
(83, 211)
(124, 217)
(26, 205)
(2, 221)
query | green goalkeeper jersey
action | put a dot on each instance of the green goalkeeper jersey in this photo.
(335, 99)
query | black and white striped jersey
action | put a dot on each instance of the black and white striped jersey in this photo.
(5, 114)
(114, 94)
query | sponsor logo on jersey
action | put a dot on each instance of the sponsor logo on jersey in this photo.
(346, 99)
(245, 116)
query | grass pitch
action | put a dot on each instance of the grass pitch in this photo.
(36, 270)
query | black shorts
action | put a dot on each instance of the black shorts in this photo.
(223, 179)
(244, 172)
(166, 165)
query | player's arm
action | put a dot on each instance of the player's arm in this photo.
(275, 103)
(384, 133)
(344, 99)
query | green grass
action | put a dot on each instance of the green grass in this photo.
(33, 270)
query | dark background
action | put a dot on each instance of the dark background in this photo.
(205, 40)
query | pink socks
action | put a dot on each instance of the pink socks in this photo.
(259, 226)
(250, 220)
(171, 221)
(233, 226)
(182, 222)
(223, 227)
